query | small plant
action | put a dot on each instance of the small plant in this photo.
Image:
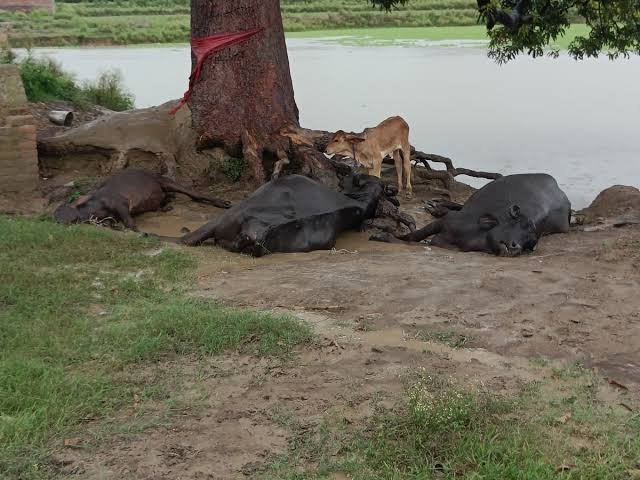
(233, 168)
(7, 56)
(44, 80)
(436, 404)
(450, 338)
(108, 91)
(75, 195)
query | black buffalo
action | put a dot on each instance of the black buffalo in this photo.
(292, 214)
(505, 217)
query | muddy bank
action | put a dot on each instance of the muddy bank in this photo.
(380, 312)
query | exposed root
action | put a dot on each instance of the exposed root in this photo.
(446, 176)
(151, 138)
(252, 157)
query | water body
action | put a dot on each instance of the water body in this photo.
(579, 121)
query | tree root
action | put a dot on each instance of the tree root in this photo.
(171, 143)
(446, 176)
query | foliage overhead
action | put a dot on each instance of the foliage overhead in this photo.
(529, 26)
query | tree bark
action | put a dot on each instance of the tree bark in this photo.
(245, 88)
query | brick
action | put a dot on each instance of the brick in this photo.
(17, 111)
(27, 129)
(18, 154)
(16, 170)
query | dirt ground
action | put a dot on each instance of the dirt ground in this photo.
(380, 311)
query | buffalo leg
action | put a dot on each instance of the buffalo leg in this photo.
(439, 208)
(413, 237)
(197, 237)
(419, 235)
(122, 212)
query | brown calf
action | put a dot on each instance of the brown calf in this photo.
(370, 147)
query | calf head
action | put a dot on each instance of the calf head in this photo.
(510, 233)
(344, 143)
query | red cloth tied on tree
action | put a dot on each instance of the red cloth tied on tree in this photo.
(205, 46)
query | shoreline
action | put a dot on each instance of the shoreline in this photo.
(369, 36)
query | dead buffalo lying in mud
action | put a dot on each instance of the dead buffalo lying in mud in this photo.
(127, 193)
(505, 217)
(293, 214)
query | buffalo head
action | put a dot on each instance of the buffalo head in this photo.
(67, 214)
(80, 211)
(508, 234)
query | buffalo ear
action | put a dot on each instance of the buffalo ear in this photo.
(488, 221)
(514, 211)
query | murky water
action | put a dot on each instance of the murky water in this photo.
(579, 121)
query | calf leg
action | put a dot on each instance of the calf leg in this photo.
(376, 171)
(406, 159)
(397, 160)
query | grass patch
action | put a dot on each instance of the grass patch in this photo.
(45, 80)
(233, 168)
(553, 430)
(449, 338)
(414, 35)
(108, 91)
(127, 22)
(78, 306)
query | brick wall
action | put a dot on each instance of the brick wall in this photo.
(28, 5)
(19, 176)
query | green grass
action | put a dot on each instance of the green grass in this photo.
(553, 430)
(81, 305)
(45, 80)
(390, 34)
(412, 35)
(449, 338)
(129, 22)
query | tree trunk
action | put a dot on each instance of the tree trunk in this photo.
(245, 88)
